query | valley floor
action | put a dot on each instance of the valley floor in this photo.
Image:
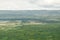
(21, 31)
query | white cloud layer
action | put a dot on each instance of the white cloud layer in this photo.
(29, 4)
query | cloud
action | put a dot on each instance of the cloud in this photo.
(50, 4)
(29, 4)
(17, 5)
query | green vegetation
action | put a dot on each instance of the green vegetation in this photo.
(50, 31)
(30, 25)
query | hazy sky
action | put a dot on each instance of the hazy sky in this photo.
(29, 4)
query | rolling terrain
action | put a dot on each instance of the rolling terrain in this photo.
(30, 25)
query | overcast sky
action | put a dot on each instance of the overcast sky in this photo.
(29, 4)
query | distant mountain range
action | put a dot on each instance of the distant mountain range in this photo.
(28, 13)
(53, 15)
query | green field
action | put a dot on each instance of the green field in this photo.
(49, 31)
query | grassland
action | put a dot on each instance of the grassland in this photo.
(48, 31)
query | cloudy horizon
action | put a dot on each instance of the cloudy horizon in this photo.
(29, 4)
